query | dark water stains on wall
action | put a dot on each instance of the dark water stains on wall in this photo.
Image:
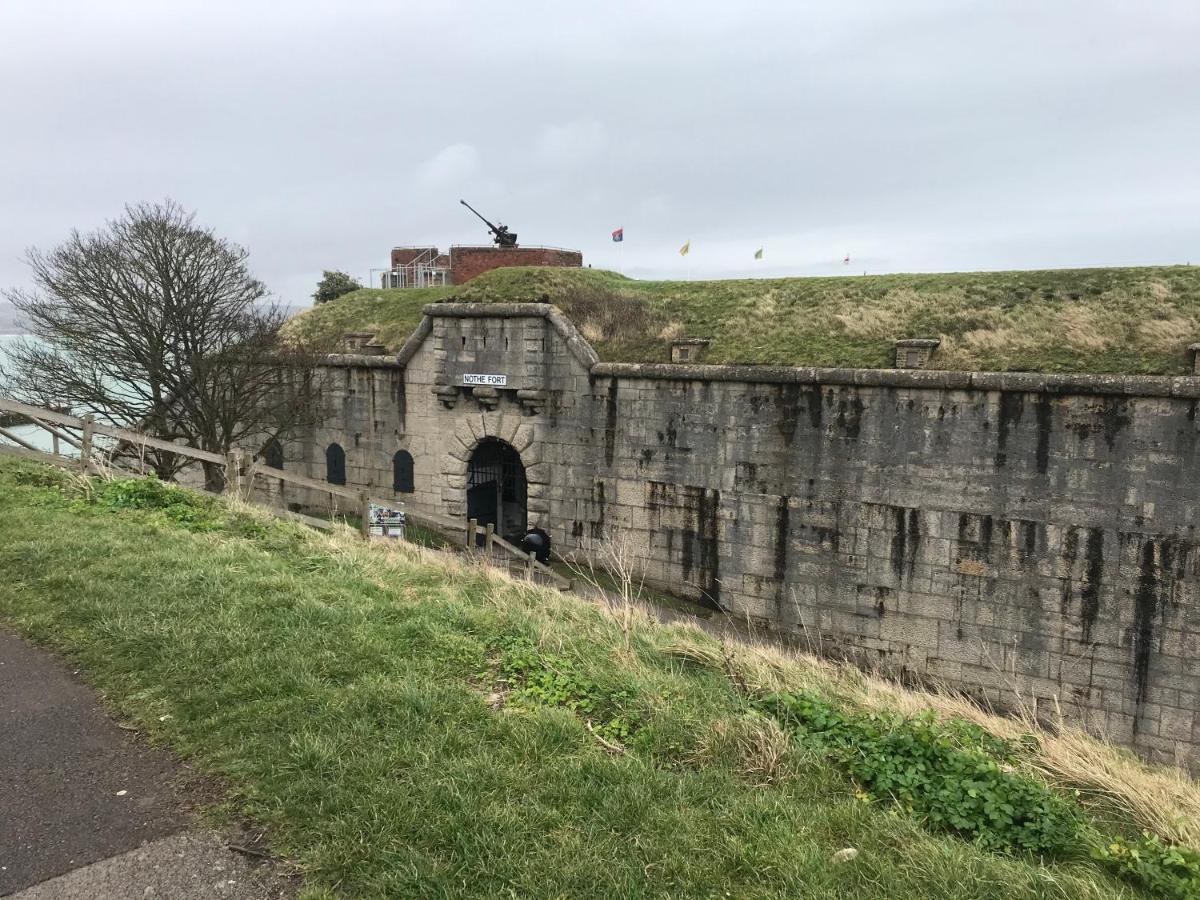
(906, 540)
(812, 400)
(1070, 552)
(600, 505)
(1145, 608)
(693, 512)
(783, 530)
(1012, 407)
(1114, 417)
(788, 411)
(610, 422)
(708, 505)
(1110, 417)
(1029, 536)
(1089, 595)
(1045, 424)
(975, 537)
(849, 416)
(670, 435)
(1162, 564)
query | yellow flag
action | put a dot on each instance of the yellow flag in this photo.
(687, 245)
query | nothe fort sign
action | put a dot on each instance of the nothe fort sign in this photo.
(487, 380)
(1014, 535)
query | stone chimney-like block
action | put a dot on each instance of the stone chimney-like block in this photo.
(355, 341)
(914, 353)
(688, 350)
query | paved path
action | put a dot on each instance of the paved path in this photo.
(78, 791)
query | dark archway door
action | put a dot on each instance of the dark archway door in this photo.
(496, 490)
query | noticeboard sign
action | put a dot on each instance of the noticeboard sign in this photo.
(386, 522)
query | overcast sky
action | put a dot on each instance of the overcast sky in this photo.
(924, 135)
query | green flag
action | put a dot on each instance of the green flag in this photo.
(758, 253)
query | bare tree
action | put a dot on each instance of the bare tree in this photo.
(155, 323)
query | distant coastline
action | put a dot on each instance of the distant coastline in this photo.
(8, 321)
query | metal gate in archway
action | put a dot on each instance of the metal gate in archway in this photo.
(497, 490)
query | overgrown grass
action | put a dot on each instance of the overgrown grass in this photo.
(1132, 320)
(406, 726)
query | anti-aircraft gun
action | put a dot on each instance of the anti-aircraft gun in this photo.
(503, 237)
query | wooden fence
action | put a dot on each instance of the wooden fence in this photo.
(241, 468)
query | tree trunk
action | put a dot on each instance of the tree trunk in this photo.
(214, 477)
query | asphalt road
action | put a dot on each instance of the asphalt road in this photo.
(76, 789)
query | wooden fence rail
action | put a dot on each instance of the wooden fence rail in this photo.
(239, 478)
(494, 544)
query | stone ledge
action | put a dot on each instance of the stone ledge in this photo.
(487, 310)
(1187, 387)
(358, 360)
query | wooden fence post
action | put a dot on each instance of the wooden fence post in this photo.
(85, 446)
(231, 471)
(472, 526)
(364, 510)
(488, 534)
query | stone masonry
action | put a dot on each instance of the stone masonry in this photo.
(1021, 537)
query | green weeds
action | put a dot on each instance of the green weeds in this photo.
(949, 775)
(1167, 871)
(534, 678)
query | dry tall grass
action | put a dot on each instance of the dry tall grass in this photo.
(1161, 800)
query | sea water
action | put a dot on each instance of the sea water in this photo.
(29, 433)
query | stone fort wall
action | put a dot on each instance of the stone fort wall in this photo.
(1013, 535)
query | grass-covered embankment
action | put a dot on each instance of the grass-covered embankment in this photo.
(405, 726)
(1132, 320)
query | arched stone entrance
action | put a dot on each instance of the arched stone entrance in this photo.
(497, 490)
(516, 431)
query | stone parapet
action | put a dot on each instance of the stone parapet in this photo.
(1184, 386)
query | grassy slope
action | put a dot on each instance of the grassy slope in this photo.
(343, 695)
(392, 314)
(1136, 320)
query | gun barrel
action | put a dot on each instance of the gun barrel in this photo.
(474, 210)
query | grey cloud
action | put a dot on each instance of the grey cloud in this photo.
(928, 135)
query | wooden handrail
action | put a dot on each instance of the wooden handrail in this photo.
(42, 417)
(4, 432)
(323, 486)
(121, 434)
(58, 433)
(532, 561)
(38, 456)
(88, 426)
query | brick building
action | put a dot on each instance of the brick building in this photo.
(428, 267)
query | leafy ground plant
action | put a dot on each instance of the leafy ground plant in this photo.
(956, 777)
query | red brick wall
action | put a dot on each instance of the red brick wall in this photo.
(403, 256)
(467, 262)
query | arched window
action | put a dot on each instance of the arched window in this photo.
(402, 472)
(335, 464)
(272, 454)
